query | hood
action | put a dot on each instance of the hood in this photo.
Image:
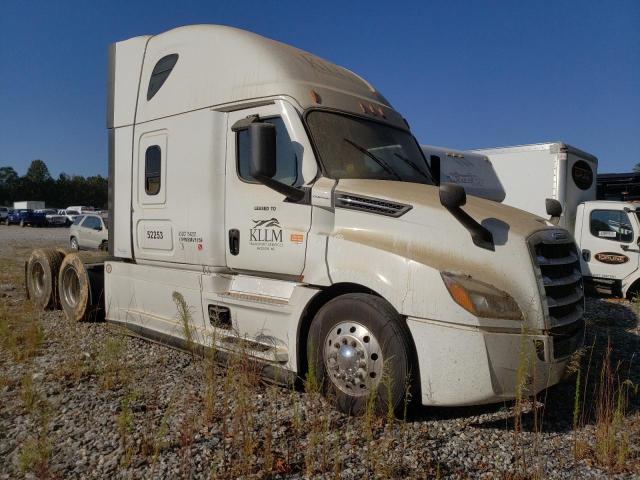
(428, 234)
(426, 207)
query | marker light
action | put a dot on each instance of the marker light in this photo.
(481, 299)
(315, 97)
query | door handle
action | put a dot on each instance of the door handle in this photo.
(586, 255)
(234, 241)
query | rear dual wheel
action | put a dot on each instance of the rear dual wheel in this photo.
(361, 353)
(41, 274)
(74, 288)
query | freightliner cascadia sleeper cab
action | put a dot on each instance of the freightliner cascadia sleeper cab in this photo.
(286, 202)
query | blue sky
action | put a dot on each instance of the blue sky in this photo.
(465, 74)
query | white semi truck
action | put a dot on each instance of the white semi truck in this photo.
(607, 232)
(285, 202)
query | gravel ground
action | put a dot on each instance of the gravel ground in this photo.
(110, 405)
(14, 236)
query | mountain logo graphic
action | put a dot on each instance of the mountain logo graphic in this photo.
(271, 223)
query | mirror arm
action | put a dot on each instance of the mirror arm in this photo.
(480, 235)
(292, 193)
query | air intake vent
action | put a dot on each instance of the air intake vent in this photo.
(371, 205)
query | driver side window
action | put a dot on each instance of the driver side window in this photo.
(611, 225)
(286, 158)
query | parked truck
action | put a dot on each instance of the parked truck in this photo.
(607, 232)
(26, 217)
(532, 173)
(472, 171)
(285, 202)
(28, 205)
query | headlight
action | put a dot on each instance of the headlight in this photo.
(481, 299)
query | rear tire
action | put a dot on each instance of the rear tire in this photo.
(361, 354)
(41, 277)
(73, 288)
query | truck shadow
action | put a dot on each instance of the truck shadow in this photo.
(612, 338)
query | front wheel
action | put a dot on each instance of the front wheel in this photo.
(74, 244)
(361, 354)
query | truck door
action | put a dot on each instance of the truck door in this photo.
(608, 242)
(265, 233)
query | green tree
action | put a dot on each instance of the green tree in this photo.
(9, 181)
(8, 175)
(636, 168)
(38, 172)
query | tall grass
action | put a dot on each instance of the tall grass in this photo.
(301, 433)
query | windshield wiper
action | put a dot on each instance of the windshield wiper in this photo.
(386, 167)
(413, 165)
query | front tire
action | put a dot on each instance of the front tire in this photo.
(361, 354)
(73, 243)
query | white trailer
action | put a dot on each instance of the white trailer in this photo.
(28, 205)
(285, 202)
(470, 170)
(532, 173)
(607, 232)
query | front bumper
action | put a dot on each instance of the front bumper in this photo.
(462, 365)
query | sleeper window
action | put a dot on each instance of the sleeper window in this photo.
(286, 158)
(160, 74)
(152, 168)
(611, 225)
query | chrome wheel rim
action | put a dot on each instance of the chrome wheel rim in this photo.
(38, 278)
(70, 287)
(353, 358)
(74, 244)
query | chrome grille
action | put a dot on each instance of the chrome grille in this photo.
(557, 260)
(370, 204)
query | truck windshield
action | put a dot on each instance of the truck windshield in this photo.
(354, 147)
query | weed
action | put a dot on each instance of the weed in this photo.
(28, 393)
(113, 368)
(124, 423)
(20, 331)
(612, 396)
(34, 455)
(187, 431)
(184, 317)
